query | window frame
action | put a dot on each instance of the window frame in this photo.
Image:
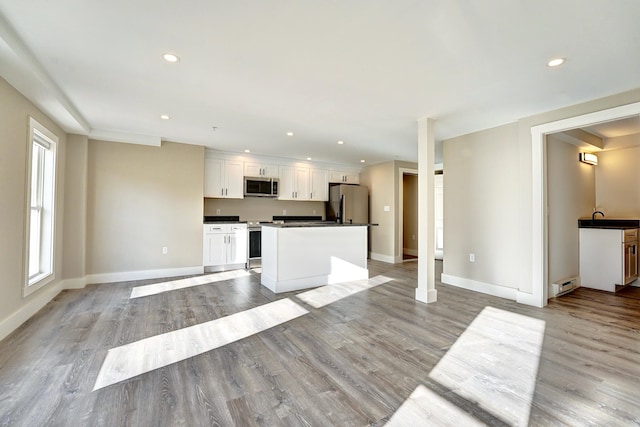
(45, 204)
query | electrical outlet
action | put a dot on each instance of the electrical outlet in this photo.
(413, 237)
(165, 250)
(472, 257)
(217, 211)
(314, 212)
(284, 211)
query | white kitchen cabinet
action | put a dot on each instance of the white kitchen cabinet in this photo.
(606, 261)
(344, 177)
(224, 244)
(223, 178)
(265, 170)
(319, 185)
(294, 183)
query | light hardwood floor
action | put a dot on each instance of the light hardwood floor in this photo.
(354, 361)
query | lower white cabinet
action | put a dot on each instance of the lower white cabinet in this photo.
(224, 244)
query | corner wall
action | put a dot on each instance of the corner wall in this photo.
(15, 110)
(140, 199)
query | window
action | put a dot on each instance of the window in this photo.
(40, 221)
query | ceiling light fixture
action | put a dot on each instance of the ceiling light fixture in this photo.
(340, 142)
(362, 161)
(165, 116)
(170, 57)
(589, 158)
(555, 62)
(308, 158)
(289, 133)
(247, 151)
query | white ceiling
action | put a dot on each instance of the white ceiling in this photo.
(362, 71)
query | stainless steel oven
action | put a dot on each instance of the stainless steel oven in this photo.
(254, 242)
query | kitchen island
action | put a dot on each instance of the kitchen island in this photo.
(305, 255)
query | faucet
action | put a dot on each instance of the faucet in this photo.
(593, 215)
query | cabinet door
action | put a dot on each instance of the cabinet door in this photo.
(237, 246)
(270, 171)
(302, 190)
(252, 169)
(319, 183)
(351, 178)
(234, 174)
(215, 249)
(213, 178)
(336, 176)
(286, 190)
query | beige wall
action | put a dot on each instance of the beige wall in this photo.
(75, 203)
(481, 206)
(410, 213)
(140, 199)
(382, 192)
(571, 195)
(15, 110)
(263, 209)
(617, 179)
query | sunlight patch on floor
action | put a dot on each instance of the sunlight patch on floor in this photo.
(158, 288)
(327, 294)
(151, 353)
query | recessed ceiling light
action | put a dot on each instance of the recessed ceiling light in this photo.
(362, 161)
(340, 142)
(165, 117)
(170, 57)
(289, 133)
(247, 151)
(308, 158)
(555, 62)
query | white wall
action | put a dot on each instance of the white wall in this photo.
(571, 195)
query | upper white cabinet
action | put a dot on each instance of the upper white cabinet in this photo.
(223, 178)
(256, 169)
(294, 183)
(319, 184)
(344, 177)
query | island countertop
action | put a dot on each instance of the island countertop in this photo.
(315, 224)
(609, 223)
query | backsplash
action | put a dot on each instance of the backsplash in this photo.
(263, 209)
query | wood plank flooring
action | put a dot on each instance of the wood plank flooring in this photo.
(354, 361)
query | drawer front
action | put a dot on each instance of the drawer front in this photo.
(224, 228)
(630, 235)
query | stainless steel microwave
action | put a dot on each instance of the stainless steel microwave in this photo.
(260, 187)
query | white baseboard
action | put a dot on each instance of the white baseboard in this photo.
(384, 258)
(42, 298)
(413, 252)
(126, 276)
(485, 288)
(78, 283)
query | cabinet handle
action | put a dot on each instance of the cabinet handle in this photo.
(222, 191)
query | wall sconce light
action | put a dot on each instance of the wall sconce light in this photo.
(589, 158)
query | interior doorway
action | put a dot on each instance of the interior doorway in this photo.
(409, 216)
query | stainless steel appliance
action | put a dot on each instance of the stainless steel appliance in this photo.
(260, 187)
(254, 241)
(348, 204)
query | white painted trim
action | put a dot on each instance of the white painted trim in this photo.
(384, 258)
(13, 322)
(77, 283)
(408, 251)
(539, 263)
(126, 276)
(477, 286)
(127, 138)
(426, 295)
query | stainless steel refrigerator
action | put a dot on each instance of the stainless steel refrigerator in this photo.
(348, 204)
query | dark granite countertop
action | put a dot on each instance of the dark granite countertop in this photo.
(303, 224)
(216, 219)
(609, 223)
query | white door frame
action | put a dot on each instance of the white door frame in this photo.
(540, 247)
(401, 173)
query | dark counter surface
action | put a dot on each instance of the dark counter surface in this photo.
(609, 223)
(214, 219)
(303, 224)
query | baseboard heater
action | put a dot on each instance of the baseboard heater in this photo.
(564, 286)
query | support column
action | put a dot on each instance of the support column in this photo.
(426, 291)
